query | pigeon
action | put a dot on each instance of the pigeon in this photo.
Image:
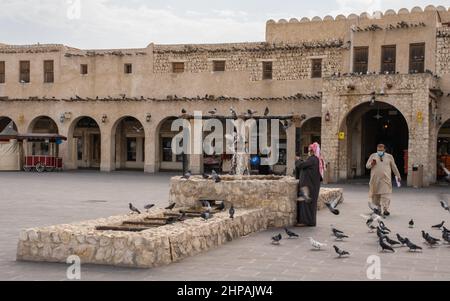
(266, 112)
(375, 209)
(134, 209)
(411, 223)
(232, 211)
(205, 176)
(187, 175)
(382, 231)
(444, 204)
(221, 207)
(215, 177)
(340, 236)
(207, 204)
(251, 112)
(233, 113)
(427, 236)
(391, 241)
(334, 230)
(206, 215)
(149, 206)
(213, 112)
(446, 237)
(332, 210)
(340, 252)
(401, 239)
(438, 226)
(183, 111)
(291, 234)
(171, 220)
(384, 246)
(315, 244)
(276, 239)
(171, 206)
(383, 227)
(412, 247)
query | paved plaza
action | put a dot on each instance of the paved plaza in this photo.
(30, 200)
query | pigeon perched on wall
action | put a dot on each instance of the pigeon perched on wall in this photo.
(412, 247)
(215, 176)
(315, 244)
(232, 211)
(187, 175)
(340, 252)
(291, 234)
(384, 246)
(205, 176)
(134, 209)
(221, 206)
(149, 206)
(171, 207)
(233, 113)
(276, 239)
(266, 112)
(207, 205)
(438, 226)
(213, 112)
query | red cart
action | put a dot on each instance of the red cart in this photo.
(49, 162)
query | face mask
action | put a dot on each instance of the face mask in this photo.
(381, 154)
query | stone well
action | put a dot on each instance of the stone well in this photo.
(276, 193)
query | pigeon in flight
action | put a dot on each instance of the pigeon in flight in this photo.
(412, 247)
(384, 246)
(171, 206)
(411, 223)
(149, 206)
(291, 234)
(232, 211)
(401, 239)
(340, 252)
(332, 206)
(276, 239)
(187, 175)
(134, 209)
(315, 244)
(438, 226)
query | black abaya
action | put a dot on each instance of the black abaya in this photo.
(309, 175)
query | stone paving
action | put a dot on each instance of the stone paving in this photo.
(28, 200)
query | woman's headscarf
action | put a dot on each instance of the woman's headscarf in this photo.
(315, 147)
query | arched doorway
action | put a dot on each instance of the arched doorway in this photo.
(86, 145)
(129, 144)
(443, 150)
(310, 132)
(42, 125)
(366, 126)
(166, 160)
(5, 121)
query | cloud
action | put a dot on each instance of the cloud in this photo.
(105, 24)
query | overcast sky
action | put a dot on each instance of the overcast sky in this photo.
(92, 24)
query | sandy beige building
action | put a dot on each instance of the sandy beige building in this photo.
(349, 81)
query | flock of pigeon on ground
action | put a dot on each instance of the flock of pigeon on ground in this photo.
(375, 224)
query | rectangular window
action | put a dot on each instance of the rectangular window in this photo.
(267, 70)
(131, 149)
(178, 67)
(128, 68)
(167, 149)
(316, 68)
(218, 66)
(84, 69)
(388, 58)
(24, 72)
(2, 72)
(361, 59)
(417, 58)
(48, 72)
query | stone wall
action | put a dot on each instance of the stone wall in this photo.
(290, 62)
(277, 194)
(146, 249)
(443, 51)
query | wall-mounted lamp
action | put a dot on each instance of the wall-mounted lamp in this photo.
(104, 118)
(148, 117)
(328, 116)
